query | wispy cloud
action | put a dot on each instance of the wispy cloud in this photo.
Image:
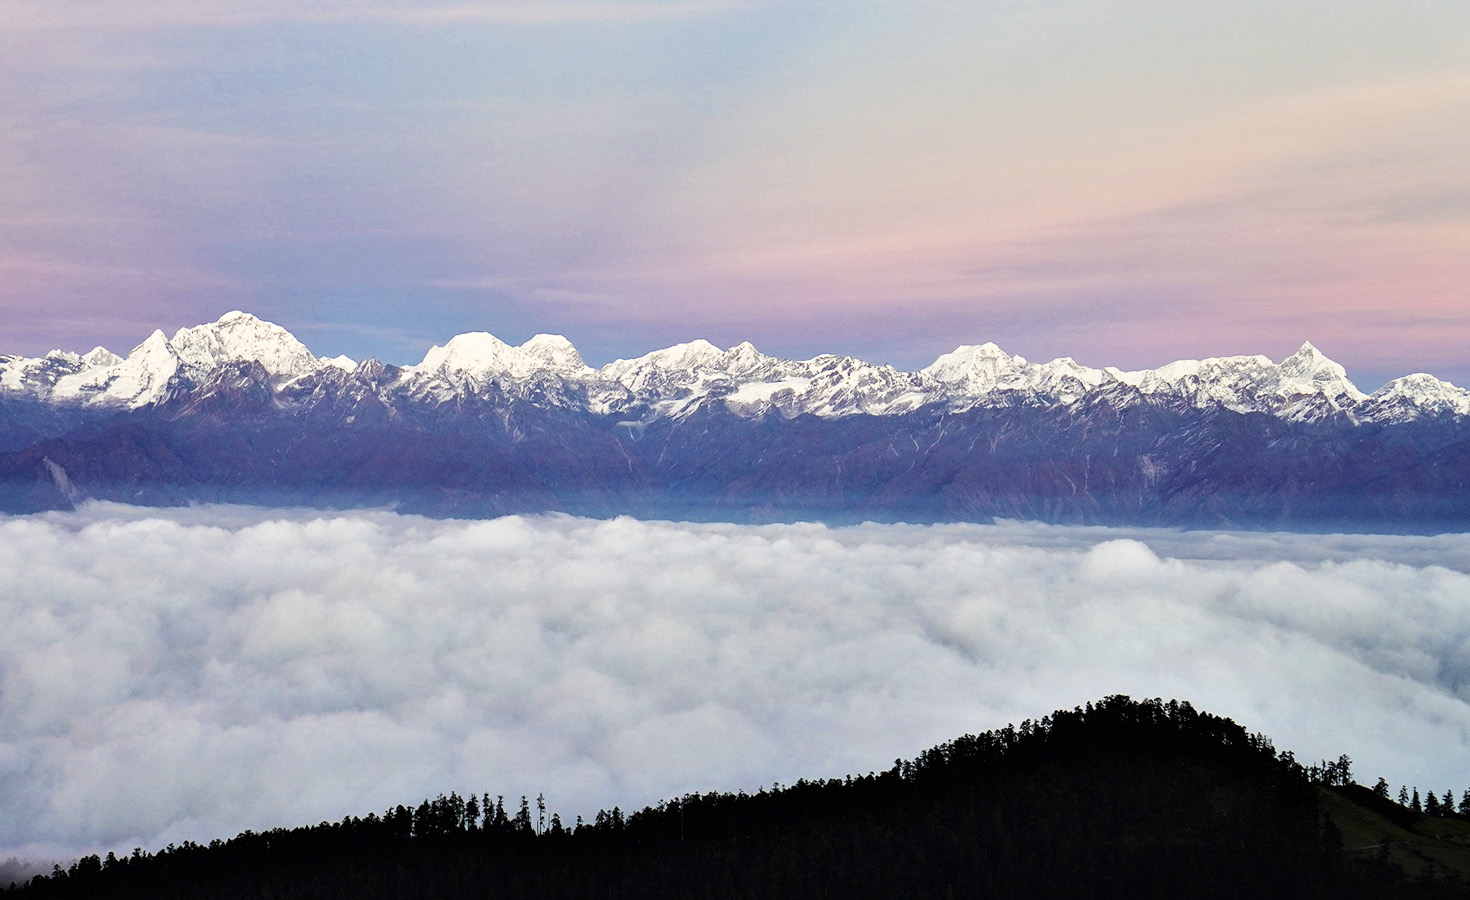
(1127, 182)
(160, 682)
(25, 15)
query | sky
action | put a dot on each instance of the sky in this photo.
(1125, 182)
(161, 684)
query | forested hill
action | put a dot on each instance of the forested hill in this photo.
(1118, 799)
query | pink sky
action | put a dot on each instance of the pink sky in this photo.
(1125, 183)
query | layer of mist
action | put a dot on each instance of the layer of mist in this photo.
(187, 674)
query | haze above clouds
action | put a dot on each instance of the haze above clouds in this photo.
(190, 673)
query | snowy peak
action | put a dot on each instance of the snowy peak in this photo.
(480, 356)
(985, 373)
(844, 385)
(750, 383)
(102, 378)
(1213, 369)
(241, 337)
(696, 354)
(545, 370)
(100, 358)
(1306, 385)
(138, 380)
(554, 352)
(1416, 397)
(975, 367)
(744, 360)
(476, 352)
(1314, 373)
(672, 375)
(24, 375)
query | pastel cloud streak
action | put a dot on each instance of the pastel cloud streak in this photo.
(186, 674)
(1127, 183)
(152, 14)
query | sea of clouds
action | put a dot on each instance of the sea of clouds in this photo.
(187, 674)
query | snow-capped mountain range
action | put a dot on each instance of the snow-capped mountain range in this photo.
(240, 411)
(1304, 387)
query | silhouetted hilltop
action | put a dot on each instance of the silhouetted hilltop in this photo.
(1120, 798)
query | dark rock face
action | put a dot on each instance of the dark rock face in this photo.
(1113, 458)
(25, 420)
(1096, 465)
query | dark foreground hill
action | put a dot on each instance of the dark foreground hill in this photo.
(1120, 799)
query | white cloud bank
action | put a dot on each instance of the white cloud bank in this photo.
(188, 674)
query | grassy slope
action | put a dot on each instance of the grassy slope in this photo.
(1413, 840)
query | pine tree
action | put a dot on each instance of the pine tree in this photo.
(1414, 804)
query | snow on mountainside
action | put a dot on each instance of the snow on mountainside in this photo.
(20, 375)
(677, 379)
(988, 375)
(1416, 396)
(1306, 385)
(1303, 384)
(547, 370)
(478, 355)
(103, 379)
